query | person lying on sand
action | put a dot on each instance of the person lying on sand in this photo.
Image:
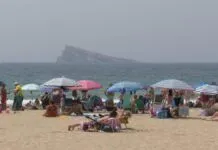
(51, 110)
(110, 121)
(122, 115)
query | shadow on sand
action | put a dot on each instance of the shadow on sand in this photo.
(133, 130)
(196, 118)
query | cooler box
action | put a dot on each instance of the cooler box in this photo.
(162, 114)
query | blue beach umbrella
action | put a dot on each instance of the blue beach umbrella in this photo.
(47, 89)
(125, 85)
(198, 85)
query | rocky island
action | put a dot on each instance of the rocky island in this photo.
(74, 55)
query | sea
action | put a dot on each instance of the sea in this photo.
(146, 73)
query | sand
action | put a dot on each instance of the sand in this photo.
(29, 130)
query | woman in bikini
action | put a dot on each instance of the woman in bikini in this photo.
(106, 120)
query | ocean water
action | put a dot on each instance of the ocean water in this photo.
(38, 73)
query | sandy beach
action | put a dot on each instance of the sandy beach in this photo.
(29, 130)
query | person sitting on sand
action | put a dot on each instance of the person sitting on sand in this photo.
(76, 108)
(51, 110)
(74, 95)
(105, 120)
(211, 111)
(204, 99)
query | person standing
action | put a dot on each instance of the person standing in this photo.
(74, 95)
(45, 100)
(151, 93)
(57, 98)
(18, 97)
(3, 94)
(133, 103)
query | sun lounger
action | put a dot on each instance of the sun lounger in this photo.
(111, 127)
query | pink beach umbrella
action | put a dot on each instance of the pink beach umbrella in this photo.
(86, 85)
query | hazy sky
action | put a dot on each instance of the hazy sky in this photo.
(146, 30)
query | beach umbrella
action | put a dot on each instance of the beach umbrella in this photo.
(86, 85)
(30, 87)
(47, 89)
(172, 84)
(207, 89)
(125, 85)
(61, 82)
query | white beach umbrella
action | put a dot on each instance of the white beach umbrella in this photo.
(30, 87)
(172, 84)
(65, 82)
(207, 89)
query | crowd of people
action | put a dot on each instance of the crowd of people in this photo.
(56, 103)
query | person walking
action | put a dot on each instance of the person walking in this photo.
(18, 97)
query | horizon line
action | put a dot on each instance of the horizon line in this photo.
(118, 63)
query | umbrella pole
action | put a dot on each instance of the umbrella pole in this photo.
(31, 92)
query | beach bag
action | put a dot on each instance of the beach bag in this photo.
(167, 111)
